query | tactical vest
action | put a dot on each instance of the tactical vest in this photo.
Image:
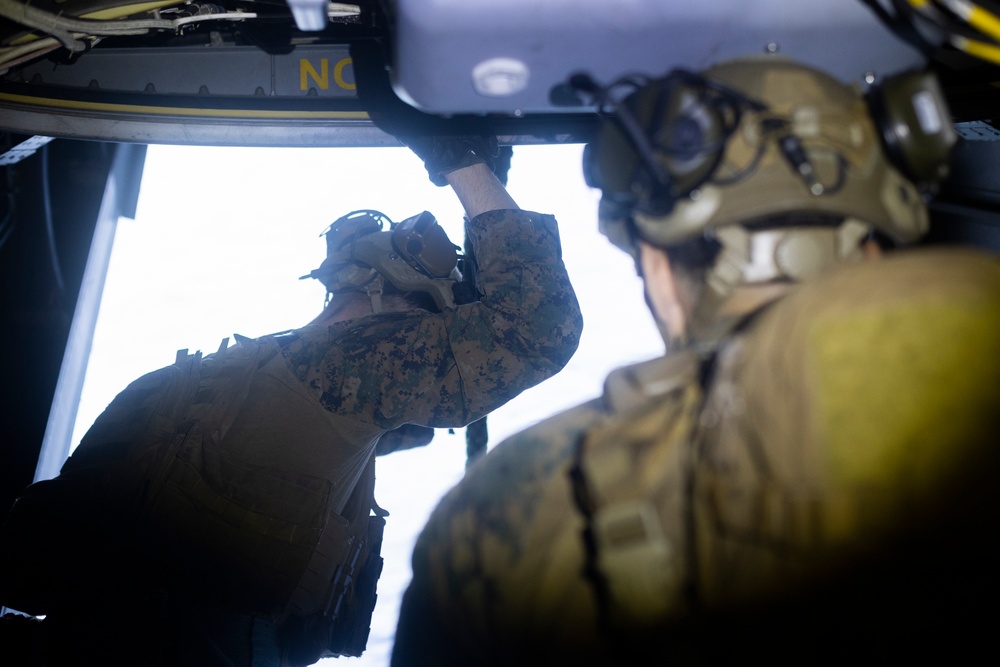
(854, 416)
(823, 474)
(156, 469)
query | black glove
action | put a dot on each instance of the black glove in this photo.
(501, 163)
(445, 154)
(406, 436)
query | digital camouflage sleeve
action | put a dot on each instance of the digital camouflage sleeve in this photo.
(451, 368)
(502, 545)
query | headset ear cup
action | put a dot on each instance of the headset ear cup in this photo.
(665, 140)
(614, 221)
(690, 141)
(914, 125)
(425, 246)
(887, 133)
(611, 162)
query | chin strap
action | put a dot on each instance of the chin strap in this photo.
(374, 292)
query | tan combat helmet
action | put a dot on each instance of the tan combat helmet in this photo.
(788, 168)
(364, 249)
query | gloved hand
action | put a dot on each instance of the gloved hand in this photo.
(444, 154)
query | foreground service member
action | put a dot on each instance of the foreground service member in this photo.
(221, 511)
(809, 471)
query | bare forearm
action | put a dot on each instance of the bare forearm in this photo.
(479, 190)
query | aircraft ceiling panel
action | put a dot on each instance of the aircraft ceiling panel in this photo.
(238, 77)
(507, 56)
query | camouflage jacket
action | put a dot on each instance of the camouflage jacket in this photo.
(439, 370)
(449, 369)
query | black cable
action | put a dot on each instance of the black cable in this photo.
(727, 103)
(476, 438)
(624, 117)
(902, 23)
(476, 433)
(880, 11)
(990, 5)
(743, 173)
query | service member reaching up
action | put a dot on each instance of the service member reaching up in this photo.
(221, 510)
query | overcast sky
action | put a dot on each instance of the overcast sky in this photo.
(219, 242)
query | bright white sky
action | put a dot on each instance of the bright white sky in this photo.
(222, 235)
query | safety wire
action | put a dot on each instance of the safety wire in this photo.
(61, 27)
(78, 33)
(970, 26)
(75, 34)
(12, 56)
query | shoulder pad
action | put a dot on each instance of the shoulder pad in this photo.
(631, 386)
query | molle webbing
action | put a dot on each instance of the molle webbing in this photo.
(351, 597)
(226, 521)
(221, 521)
(162, 501)
(639, 559)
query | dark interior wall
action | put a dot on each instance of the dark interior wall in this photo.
(967, 209)
(43, 254)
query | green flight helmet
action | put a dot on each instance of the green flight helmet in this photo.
(763, 139)
(365, 249)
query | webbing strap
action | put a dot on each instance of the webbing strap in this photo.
(630, 482)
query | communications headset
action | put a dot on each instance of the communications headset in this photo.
(666, 138)
(366, 249)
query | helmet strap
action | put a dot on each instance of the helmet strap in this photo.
(783, 253)
(374, 291)
(756, 267)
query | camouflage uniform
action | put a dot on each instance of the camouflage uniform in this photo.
(250, 487)
(705, 507)
(438, 370)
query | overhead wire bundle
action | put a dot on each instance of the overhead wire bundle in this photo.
(52, 31)
(970, 27)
